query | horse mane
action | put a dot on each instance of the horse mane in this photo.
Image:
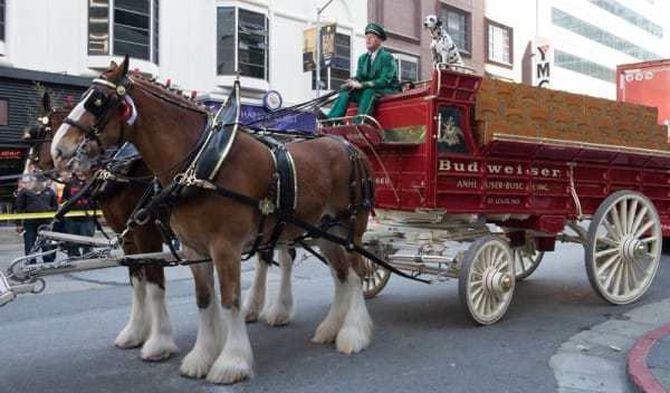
(167, 94)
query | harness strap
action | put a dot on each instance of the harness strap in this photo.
(317, 232)
(69, 204)
(309, 249)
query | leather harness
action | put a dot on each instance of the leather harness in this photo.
(199, 169)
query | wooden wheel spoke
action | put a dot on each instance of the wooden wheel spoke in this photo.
(649, 239)
(643, 229)
(618, 279)
(638, 219)
(608, 264)
(632, 276)
(607, 251)
(631, 215)
(636, 264)
(611, 274)
(611, 230)
(614, 215)
(623, 216)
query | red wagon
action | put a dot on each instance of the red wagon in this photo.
(476, 178)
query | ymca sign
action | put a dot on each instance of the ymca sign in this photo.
(542, 62)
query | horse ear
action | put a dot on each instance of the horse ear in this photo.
(124, 65)
(46, 102)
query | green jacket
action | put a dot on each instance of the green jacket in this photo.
(382, 75)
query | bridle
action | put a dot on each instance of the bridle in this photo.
(103, 106)
(39, 134)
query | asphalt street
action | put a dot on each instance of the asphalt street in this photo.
(62, 340)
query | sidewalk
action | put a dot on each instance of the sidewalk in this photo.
(649, 361)
(621, 355)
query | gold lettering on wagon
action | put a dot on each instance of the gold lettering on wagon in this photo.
(446, 165)
(503, 201)
(500, 185)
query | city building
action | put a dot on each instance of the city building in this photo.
(199, 45)
(410, 42)
(589, 38)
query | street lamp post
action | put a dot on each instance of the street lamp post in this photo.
(319, 10)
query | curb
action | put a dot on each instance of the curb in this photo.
(638, 370)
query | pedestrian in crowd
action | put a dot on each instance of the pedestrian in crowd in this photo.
(83, 225)
(34, 196)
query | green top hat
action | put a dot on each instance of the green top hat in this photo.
(376, 29)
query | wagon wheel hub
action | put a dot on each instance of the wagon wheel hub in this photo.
(633, 249)
(496, 282)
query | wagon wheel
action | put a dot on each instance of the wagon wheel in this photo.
(526, 259)
(486, 280)
(375, 278)
(623, 249)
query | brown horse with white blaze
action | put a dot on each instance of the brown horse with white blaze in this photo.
(149, 324)
(165, 130)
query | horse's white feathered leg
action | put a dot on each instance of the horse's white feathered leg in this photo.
(255, 299)
(327, 330)
(281, 310)
(356, 331)
(160, 344)
(137, 328)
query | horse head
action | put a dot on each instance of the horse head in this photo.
(96, 122)
(39, 134)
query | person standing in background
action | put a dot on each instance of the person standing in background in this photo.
(33, 196)
(83, 226)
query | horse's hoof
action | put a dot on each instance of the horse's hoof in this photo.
(196, 364)
(229, 370)
(353, 339)
(277, 317)
(251, 316)
(325, 334)
(129, 338)
(158, 349)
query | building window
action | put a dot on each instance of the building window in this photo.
(242, 44)
(408, 67)
(135, 28)
(630, 16)
(499, 49)
(3, 8)
(98, 27)
(4, 113)
(583, 66)
(457, 23)
(596, 34)
(339, 70)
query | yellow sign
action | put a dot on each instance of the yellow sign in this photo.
(42, 215)
(309, 46)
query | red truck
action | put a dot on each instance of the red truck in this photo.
(646, 83)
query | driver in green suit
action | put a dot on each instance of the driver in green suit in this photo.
(376, 75)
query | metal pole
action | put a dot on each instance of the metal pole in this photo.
(319, 10)
(318, 52)
(537, 18)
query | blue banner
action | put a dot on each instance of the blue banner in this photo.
(292, 121)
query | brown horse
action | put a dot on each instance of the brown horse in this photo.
(149, 325)
(165, 128)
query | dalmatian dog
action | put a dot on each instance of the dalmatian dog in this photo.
(443, 48)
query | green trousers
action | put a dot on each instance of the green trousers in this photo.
(364, 97)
